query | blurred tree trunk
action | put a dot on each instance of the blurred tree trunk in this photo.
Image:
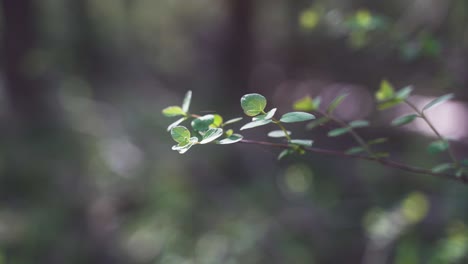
(44, 172)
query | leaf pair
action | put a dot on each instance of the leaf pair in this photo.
(387, 97)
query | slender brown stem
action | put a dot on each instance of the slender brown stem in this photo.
(429, 123)
(384, 162)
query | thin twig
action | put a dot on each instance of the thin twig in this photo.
(384, 162)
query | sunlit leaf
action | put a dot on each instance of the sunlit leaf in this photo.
(318, 122)
(302, 142)
(438, 146)
(438, 101)
(203, 123)
(403, 120)
(232, 121)
(307, 104)
(278, 133)
(268, 115)
(217, 121)
(211, 134)
(173, 111)
(385, 92)
(443, 167)
(389, 104)
(229, 132)
(234, 138)
(187, 100)
(296, 117)
(256, 124)
(180, 134)
(338, 131)
(253, 104)
(336, 102)
(359, 123)
(182, 148)
(176, 123)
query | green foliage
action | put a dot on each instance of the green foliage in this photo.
(438, 101)
(203, 123)
(338, 131)
(403, 120)
(336, 102)
(278, 133)
(293, 117)
(209, 128)
(172, 111)
(438, 146)
(253, 104)
(307, 104)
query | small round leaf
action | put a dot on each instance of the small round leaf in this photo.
(253, 104)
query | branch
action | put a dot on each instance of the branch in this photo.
(384, 162)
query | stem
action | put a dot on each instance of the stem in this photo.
(384, 162)
(439, 136)
(353, 133)
(278, 123)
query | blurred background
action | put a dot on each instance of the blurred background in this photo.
(87, 174)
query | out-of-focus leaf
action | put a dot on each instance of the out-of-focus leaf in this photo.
(307, 104)
(338, 131)
(389, 104)
(438, 101)
(403, 120)
(176, 123)
(232, 121)
(354, 150)
(404, 93)
(278, 133)
(302, 142)
(438, 146)
(359, 123)
(336, 102)
(443, 167)
(377, 141)
(186, 102)
(318, 122)
(385, 92)
(284, 153)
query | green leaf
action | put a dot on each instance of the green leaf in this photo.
(217, 121)
(296, 117)
(187, 100)
(257, 123)
(253, 104)
(176, 123)
(389, 104)
(234, 138)
(459, 173)
(438, 101)
(403, 120)
(385, 92)
(182, 148)
(442, 167)
(278, 133)
(229, 132)
(232, 121)
(284, 153)
(307, 104)
(318, 122)
(173, 111)
(336, 102)
(381, 154)
(359, 123)
(302, 142)
(211, 134)
(354, 150)
(203, 123)
(377, 141)
(404, 93)
(338, 131)
(268, 115)
(438, 146)
(180, 134)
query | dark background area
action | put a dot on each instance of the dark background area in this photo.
(87, 174)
